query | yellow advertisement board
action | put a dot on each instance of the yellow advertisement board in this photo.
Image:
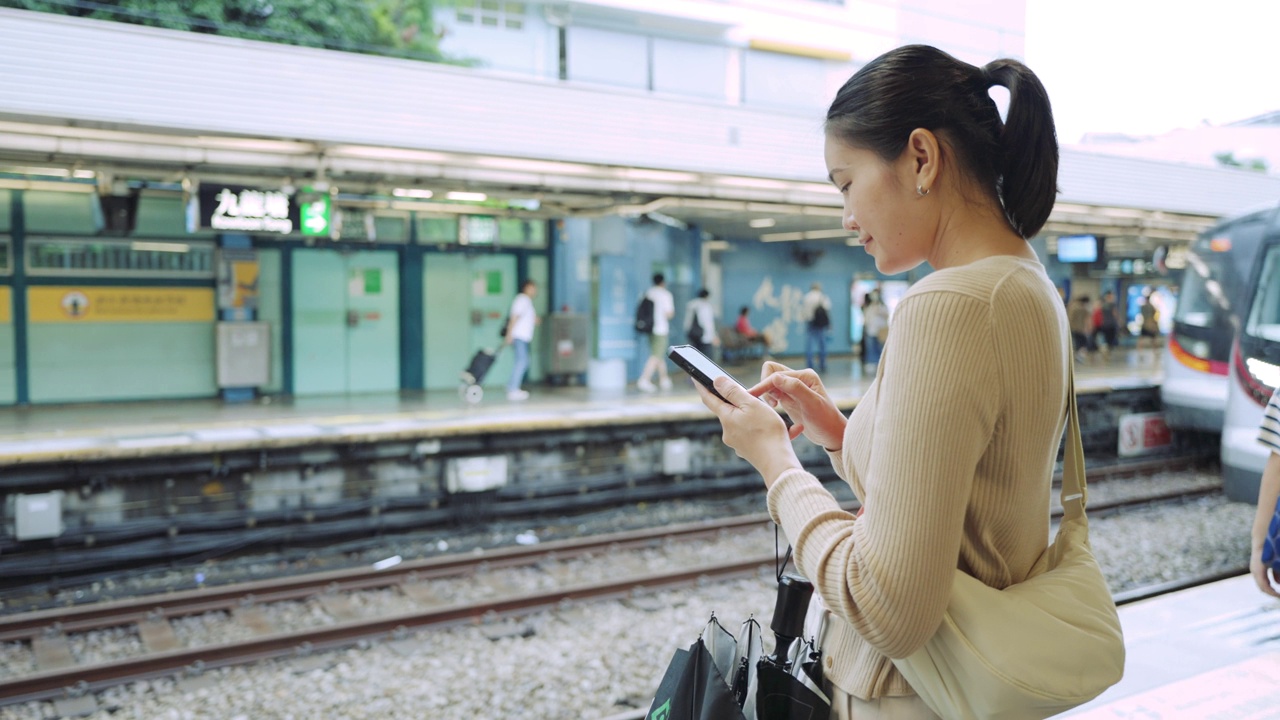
(6, 304)
(119, 304)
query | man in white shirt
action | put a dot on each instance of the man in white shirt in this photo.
(519, 334)
(664, 308)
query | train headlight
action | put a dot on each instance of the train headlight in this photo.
(1265, 372)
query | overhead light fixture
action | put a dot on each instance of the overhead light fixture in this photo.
(467, 196)
(781, 237)
(762, 222)
(717, 244)
(160, 247)
(667, 220)
(806, 235)
(413, 193)
(826, 234)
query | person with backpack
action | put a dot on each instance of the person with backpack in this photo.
(700, 322)
(655, 311)
(816, 311)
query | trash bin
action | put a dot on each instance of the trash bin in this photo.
(570, 344)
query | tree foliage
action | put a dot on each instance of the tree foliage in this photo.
(1229, 159)
(394, 27)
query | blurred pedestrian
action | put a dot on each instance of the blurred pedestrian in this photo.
(816, 311)
(1149, 329)
(1080, 317)
(750, 334)
(664, 308)
(521, 321)
(700, 322)
(1107, 327)
(875, 326)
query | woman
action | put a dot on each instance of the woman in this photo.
(952, 447)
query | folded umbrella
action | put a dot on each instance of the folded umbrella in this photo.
(696, 685)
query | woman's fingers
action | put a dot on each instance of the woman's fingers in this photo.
(796, 431)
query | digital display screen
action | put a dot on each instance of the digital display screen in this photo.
(1078, 249)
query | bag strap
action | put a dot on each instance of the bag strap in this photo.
(1074, 490)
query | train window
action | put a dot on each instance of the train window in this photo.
(5, 254)
(6, 199)
(119, 258)
(1202, 299)
(1264, 314)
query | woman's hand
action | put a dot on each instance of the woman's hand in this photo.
(753, 429)
(1266, 584)
(801, 395)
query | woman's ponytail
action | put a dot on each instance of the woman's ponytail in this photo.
(917, 86)
(1028, 158)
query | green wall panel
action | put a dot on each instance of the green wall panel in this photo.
(120, 361)
(61, 212)
(446, 318)
(5, 202)
(8, 374)
(541, 348)
(319, 323)
(270, 311)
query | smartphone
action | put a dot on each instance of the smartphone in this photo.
(700, 367)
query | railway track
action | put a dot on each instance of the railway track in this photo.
(58, 676)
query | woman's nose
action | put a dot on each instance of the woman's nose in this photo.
(850, 224)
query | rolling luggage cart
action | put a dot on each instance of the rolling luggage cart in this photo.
(481, 362)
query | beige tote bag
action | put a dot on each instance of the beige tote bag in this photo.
(1034, 649)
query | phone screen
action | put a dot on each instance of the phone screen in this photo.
(699, 366)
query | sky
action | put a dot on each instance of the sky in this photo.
(1145, 67)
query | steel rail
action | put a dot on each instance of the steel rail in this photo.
(89, 678)
(22, 626)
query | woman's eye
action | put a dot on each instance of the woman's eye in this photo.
(844, 187)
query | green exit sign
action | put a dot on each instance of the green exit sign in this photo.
(316, 214)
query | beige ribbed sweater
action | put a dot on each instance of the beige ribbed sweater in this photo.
(951, 451)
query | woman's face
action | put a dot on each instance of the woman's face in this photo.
(880, 203)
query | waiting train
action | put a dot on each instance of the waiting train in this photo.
(1255, 369)
(1214, 293)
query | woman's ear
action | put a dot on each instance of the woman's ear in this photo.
(925, 154)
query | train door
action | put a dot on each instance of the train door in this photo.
(346, 322)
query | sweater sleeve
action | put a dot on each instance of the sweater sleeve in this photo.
(889, 573)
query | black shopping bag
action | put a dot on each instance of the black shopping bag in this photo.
(694, 689)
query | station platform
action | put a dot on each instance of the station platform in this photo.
(1208, 652)
(92, 432)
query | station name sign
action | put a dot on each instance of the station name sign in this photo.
(235, 208)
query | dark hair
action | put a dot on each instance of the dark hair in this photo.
(918, 86)
(659, 278)
(744, 310)
(704, 293)
(527, 284)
